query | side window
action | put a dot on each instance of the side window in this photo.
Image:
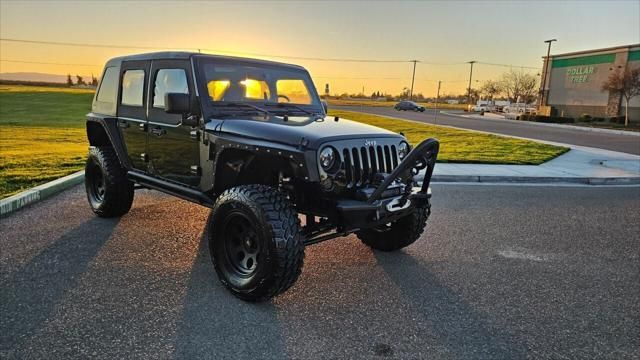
(169, 81)
(108, 91)
(132, 87)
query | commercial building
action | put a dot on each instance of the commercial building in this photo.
(573, 83)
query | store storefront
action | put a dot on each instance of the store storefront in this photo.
(573, 83)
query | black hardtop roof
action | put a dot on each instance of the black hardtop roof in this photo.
(185, 55)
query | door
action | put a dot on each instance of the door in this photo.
(174, 151)
(132, 118)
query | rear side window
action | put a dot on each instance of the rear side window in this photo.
(132, 87)
(169, 81)
(108, 91)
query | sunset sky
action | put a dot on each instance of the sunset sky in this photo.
(443, 35)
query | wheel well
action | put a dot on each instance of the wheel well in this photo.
(239, 167)
(97, 135)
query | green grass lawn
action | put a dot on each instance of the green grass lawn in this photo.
(42, 137)
(42, 134)
(462, 146)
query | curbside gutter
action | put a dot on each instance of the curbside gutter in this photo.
(562, 126)
(532, 179)
(40, 192)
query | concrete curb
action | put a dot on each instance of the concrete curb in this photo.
(533, 179)
(583, 128)
(40, 192)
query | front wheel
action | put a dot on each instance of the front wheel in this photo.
(255, 242)
(398, 234)
(109, 192)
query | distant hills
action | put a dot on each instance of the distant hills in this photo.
(40, 77)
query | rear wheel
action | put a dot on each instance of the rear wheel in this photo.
(255, 242)
(398, 234)
(109, 192)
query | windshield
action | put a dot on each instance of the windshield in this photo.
(261, 85)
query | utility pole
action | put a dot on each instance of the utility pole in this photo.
(413, 77)
(470, 76)
(544, 72)
(435, 121)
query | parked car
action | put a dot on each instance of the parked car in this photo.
(409, 105)
(251, 140)
(480, 108)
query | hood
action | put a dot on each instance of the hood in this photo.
(315, 130)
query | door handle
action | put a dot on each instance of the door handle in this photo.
(142, 126)
(123, 124)
(158, 131)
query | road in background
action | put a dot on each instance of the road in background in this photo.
(503, 272)
(621, 143)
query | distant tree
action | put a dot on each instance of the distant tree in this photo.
(475, 95)
(94, 80)
(490, 89)
(405, 93)
(519, 85)
(69, 81)
(626, 84)
(79, 80)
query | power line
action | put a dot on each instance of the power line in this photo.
(508, 65)
(200, 49)
(140, 47)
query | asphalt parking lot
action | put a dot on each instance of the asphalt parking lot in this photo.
(503, 272)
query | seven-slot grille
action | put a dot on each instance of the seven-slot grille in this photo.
(361, 163)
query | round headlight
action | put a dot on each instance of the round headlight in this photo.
(403, 150)
(327, 157)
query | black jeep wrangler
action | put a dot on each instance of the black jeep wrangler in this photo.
(251, 140)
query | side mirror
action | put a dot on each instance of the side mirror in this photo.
(177, 103)
(325, 106)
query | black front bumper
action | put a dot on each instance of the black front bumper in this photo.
(377, 209)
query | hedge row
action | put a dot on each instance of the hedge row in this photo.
(548, 119)
(568, 120)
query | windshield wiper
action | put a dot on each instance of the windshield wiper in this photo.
(237, 104)
(282, 105)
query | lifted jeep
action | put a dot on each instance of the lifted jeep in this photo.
(251, 140)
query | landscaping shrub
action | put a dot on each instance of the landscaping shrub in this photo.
(616, 119)
(548, 119)
(598, 119)
(586, 118)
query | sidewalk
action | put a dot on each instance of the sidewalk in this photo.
(580, 165)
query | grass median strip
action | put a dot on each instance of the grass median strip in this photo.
(42, 136)
(462, 146)
(31, 156)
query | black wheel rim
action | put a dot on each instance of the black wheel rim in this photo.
(241, 245)
(97, 184)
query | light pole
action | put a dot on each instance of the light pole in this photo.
(413, 77)
(435, 121)
(544, 72)
(470, 76)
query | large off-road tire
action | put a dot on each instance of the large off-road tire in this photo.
(255, 242)
(109, 192)
(399, 234)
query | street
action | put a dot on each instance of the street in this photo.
(502, 272)
(614, 142)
